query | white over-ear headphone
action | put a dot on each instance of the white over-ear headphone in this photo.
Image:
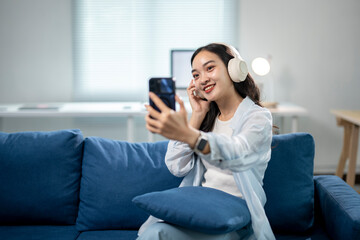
(237, 67)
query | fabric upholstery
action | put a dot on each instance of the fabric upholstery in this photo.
(340, 207)
(288, 183)
(41, 232)
(109, 235)
(40, 177)
(201, 209)
(113, 173)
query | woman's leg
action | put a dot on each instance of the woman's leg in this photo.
(165, 231)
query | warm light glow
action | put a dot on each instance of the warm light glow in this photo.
(260, 66)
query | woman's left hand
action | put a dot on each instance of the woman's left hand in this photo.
(168, 123)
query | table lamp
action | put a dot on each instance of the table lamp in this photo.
(261, 67)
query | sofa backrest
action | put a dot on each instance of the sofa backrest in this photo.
(40, 177)
(40, 180)
(288, 183)
(113, 173)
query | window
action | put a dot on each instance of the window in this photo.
(120, 44)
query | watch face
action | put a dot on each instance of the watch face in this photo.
(202, 144)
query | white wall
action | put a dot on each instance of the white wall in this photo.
(315, 60)
(36, 66)
(35, 51)
(313, 44)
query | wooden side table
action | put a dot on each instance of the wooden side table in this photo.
(350, 120)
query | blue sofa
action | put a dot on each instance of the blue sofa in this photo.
(58, 185)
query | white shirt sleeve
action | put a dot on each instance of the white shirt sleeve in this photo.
(179, 158)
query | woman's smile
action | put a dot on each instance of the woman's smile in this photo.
(209, 88)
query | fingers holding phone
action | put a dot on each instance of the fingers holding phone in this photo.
(162, 118)
(167, 123)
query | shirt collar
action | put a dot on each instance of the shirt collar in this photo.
(243, 107)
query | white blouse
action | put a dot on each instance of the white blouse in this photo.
(215, 177)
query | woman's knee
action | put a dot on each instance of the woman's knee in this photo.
(164, 231)
(156, 231)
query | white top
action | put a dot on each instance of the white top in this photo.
(245, 153)
(214, 177)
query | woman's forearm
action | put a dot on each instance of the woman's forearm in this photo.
(196, 119)
(195, 122)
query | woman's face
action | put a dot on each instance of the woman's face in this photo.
(210, 75)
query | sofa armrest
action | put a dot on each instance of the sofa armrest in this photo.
(339, 207)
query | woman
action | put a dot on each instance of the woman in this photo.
(226, 144)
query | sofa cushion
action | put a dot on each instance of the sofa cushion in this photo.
(201, 209)
(40, 177)
(39, 232)
(113, 173)
(109, 235)
(288, 183)
(317, 233)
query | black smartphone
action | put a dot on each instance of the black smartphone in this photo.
(164, 88)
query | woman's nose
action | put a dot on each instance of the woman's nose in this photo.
(204, 79)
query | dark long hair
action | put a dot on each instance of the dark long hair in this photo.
(246, 88)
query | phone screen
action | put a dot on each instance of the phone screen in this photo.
(164, 88)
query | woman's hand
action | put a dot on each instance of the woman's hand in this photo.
(198, 104)
(170, 124)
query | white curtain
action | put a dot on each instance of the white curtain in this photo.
(120, 44)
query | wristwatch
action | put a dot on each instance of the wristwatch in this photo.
(201, 143)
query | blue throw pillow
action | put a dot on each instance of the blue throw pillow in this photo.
(201, 209)
(113, 173)
(40, 177)
(288, 183)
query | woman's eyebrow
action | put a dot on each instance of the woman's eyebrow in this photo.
(210, 61)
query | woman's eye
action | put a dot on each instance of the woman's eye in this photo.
(210, 68)
(195, 76)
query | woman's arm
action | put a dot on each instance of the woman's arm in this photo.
(170, 124)
(199, 107)
(174, 125)
(179, 158)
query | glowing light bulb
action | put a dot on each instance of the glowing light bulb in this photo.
(261, 66)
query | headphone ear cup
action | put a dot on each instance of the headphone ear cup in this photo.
(237, 69)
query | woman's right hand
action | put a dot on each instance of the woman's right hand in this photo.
(198, 105)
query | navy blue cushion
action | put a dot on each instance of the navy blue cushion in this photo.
(40, 177)
(109, 235)
(38, 232)
(113, 173)
(340, 207)
(201, 209)
(288, 183)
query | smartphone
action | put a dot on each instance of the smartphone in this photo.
(164, 88)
